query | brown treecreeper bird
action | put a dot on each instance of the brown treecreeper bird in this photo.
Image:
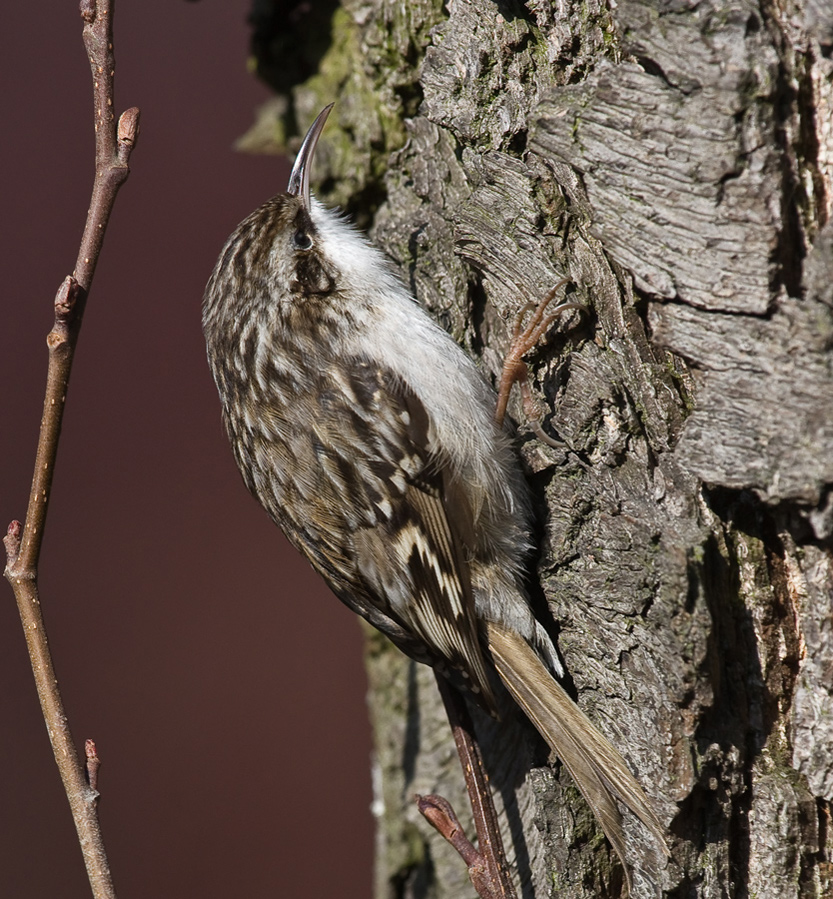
(368, 435)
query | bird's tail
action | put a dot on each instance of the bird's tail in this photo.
(597, 768)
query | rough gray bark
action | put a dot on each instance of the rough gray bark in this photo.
(675, 161)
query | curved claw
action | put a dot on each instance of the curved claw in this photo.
(525, 338)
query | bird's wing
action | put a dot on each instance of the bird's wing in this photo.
(413, 525)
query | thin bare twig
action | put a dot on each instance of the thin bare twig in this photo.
(23, 543)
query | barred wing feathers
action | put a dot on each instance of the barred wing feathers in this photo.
(409, 548)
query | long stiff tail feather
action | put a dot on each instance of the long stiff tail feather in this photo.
(597, 768)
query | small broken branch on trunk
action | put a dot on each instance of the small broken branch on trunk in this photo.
(23, 543)
(439, 813)
(487, 867)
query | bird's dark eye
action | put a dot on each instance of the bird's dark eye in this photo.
(301, 240)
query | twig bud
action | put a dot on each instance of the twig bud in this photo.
(127, 133)
(12, 542)
(93, 764)
(87, 10)
(65, 299)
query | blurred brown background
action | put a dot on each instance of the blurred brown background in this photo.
(221, 681)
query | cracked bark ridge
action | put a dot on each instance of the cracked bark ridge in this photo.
(677, 198)
(687, 180)
(675, 161)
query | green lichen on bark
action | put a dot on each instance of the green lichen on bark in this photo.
(369, 67)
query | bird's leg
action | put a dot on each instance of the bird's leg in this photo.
(525, 339)
(487, 864)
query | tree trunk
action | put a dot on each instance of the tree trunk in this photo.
(674, 161)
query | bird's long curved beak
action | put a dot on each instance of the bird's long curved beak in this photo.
(299, 179)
